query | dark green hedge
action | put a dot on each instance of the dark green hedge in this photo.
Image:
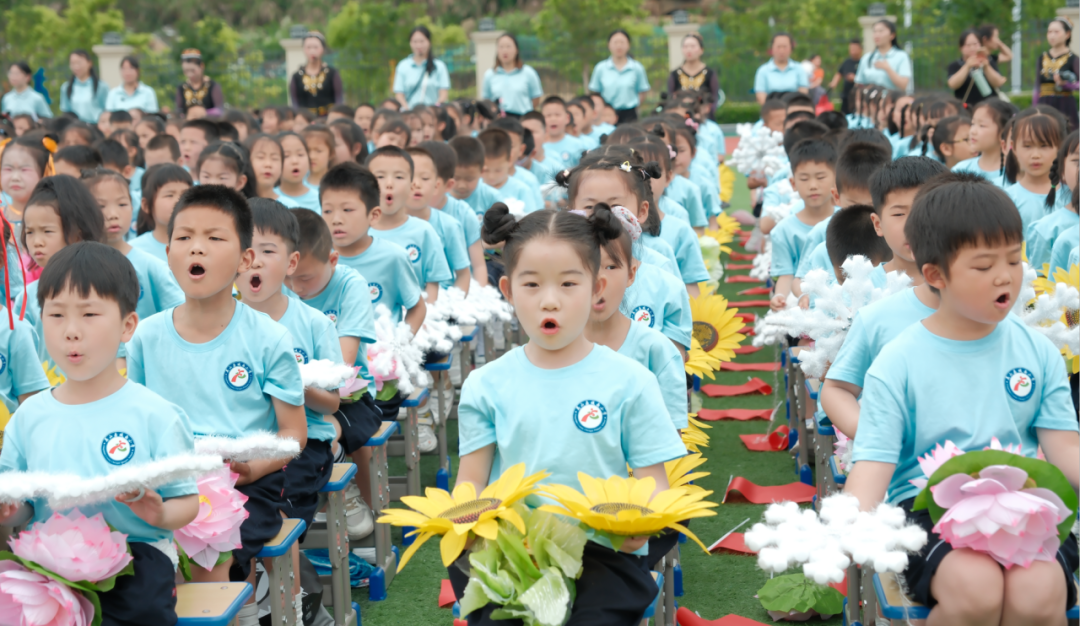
(744, 112)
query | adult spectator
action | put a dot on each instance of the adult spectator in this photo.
(991, 40)
(315, 86)
(975, 76)
(693, 74)
(512, 84)
(132, 94)
(779, 75)
(23, 99)
(619, 79)
(846, 73)
(83, 94)
(198, 91)
(1057, 70)
(888, 66)
(420, 78)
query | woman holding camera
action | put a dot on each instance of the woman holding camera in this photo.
(975, 76)
(1056, 82)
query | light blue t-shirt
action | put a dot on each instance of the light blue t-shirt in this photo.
(481, 199)
(224, 385)
(1066, 243)
(815, 238)
(419, 86)
(532, 183)
(684, 242)
(769, 78)
(653, 247)
(33, 317)
(518, 190)
(659, 300)
(971, 166)
(20, 365)
(453, 244)
(900, 62)
(704, 174)
(1073, 256)
(712, 137)
(143, 99)
(513, 90)
(789, 244)
(390, 277)
(84, 102)
(15, 275)
(151, 246)
(309, 200)
(158, 289)
(1042, 235)
(313, 337)
(619, 87)
(132, 426)
(652, 349)
(567, 150)
(772, 197)
(547, 169)
(688, 195)
(347, 302)
(1032, 206)
(874, 326)
(923, 389)
(670, 207)
(465, 216)
(27, 102)
(424, 248)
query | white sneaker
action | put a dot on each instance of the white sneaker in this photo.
(447, 394)
(358, 517)
(426, 440)
(320, 517)
(368, 554)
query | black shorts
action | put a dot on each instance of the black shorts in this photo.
(390, 407)
(266, 499)
(304, 477)
(496, 269)
(614, 589)
(660, 546)
(923, 565)
(359, 421)
(146, 597)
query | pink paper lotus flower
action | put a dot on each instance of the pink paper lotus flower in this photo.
(216, 528)
(933, 460)
(995, 444)
(842, 449)
(74, 546)
(357, 383)
(995, 515)
(31, 599)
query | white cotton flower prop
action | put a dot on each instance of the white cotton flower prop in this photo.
(65, 491)
(517, 207)
(759, 151)
(325, 374)
(828, 321)
(1027, 290)
(763, 262)
(1046, 312)
(436, 334)
(780, 212)
(264, 446)
(826, 544)
(393, 356)
(483, 306)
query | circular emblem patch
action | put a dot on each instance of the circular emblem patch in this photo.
(3, 364)
(118, 448)
(1020, 383)
(376, 292)
(332, 314)
(644, 315)
(301, 355)
(414, 252)
(238, 376)
(590, 416)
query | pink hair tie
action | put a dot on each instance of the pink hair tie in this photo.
(692, 123)
(671, 152)
(629, 221)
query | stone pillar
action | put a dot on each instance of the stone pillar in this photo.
(294, 58)
(109, 57)
(866, 22)
(1072, 15)
(675, 35)
(484, 51)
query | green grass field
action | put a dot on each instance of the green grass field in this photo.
(715, 585)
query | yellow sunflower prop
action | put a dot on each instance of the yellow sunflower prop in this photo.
(716, 328)
(681, 471)
(53, 374)
(727, 224)
(700, 363)
(1070, 318)
(456, 515)
(693, 436)
(626, 507)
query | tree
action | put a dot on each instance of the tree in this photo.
(42, 36)
(576, 31)
(370, 35)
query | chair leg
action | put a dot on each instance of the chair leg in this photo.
(669, 586)
(412, 452)
(338, 550)
(282, 610)
(380, 495)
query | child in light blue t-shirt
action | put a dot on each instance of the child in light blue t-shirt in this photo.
(230, 367)
(498, 166)
(469, 185)
(969, 358)
(21, 375)
(292, 191)
(96, 423)
(425, 189)
(445, 159)
(163, 185)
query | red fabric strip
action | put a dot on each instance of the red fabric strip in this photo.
(446, 595)
(742, 490)
(712, 415)
(776, 441)
(739, 266)
(754, 385)
(741, 279)
(746, 349)
(733, 543)
(742, 256)
(749, 304)
(750, 367)
(755, 291)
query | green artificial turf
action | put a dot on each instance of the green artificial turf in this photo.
(715, 585)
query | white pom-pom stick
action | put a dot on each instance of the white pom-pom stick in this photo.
(265, 446)
(325, 374)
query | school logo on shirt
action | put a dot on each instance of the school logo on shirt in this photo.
(1020, 383)
(332, 314)
(590, 416)
(414, 252)
(376, 292)
(644, 315)
(238, 376)
(118, 448)
(566, 157)
(301, 355)
(3, 363)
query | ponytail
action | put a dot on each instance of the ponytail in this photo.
(1070, 145)
(1055, 178)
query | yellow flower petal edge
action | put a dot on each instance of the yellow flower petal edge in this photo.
(455, 516)
(716, 328)
(680, 471)
(1071, 318)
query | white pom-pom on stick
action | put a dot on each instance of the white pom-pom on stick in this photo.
(325, 374)
(264, 446)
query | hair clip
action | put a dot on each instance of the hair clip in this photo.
(629, 221)
(49, 144)
(671, 152)
(692, 123)
(626, 167)
(566, 173)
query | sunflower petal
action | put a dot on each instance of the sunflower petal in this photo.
(451, 546)
(420, 540)
(488, 529)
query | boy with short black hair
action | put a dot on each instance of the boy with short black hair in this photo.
(161, 149)
(541, 162)
(851, 233)
(813, 163)
(120, 120)
(427, 188)
(393, 168)
(195, 135)
(780, 182)
(556, 118)
(88, 294)
(470, 186)
(445, 160)
(72, 160)
(773, 112)
(518, 150)
(114, 156)
(582, 124)
(975, 375)
(498, 162)
(240, 361)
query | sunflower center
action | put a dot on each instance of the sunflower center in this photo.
(470, 512)
(614, 508)
(706, 335)
(1072, 317)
